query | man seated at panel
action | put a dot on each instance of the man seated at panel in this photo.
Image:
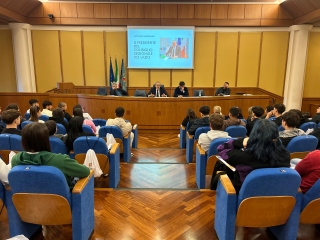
(33, 102)
(201, 122)
(257, 112)
(216, 123)
(225, 90)
(157, 91)
(290, 120)
(181, 90)
(12, 119)
(278, 109)
(47, 106)
(233, 119)
(64, 107)
(117, 91)
(120, 121)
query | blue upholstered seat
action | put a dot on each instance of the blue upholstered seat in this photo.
(3, 213)
(24, 123)
(61, 129)
(8, 143)
(99, 122)
(27, 115)
(236, 131)
(44, 118)
(40, 195)
(268, 198)
(280, 128)
(306, 143)
(310, 205)
(57, 146)
(140, 93)
(192, 142)
(308, 125)
(87, 129)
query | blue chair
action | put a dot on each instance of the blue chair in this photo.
(280, 128)
(272, 118)
(109, 161)
(3, 124)
(24, 123)
(99, 122)
(192, 142)
(305, 143)
(318, 125)
(41, 196)
(243, 120)
(124, 141)
(183, 135)
(140, 93)
(236, 131)
(3, 213)
(8, 143)
(205, 162)
(87, 129)
(57, 146)
(44, 118)
(308, 125)
(66, 120)
(27, 115)
(268, 198)
(61, 129)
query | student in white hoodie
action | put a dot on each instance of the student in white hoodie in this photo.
(216, 123)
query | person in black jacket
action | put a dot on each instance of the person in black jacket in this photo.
(117, 91)
(201, 122)
(257, 112)
(181, 90)
(316, 118)
(225, 90)
(157, 91)
(64, 107)
(58, 117)
(190, 118)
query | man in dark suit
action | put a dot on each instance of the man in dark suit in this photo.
(201, 122)
(225, 90)
(117, 91)
(174, 51)
(157, 91)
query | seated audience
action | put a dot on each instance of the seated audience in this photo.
(302, 118)
(217, 110)
(277, 111)
(216, 124)
(266, 111)
(290, 120)
(225, 90)
(190, 117)
(35, 113)
(58, 117)
(35, 142)
(47, 106)
(117, 91)
(181, 90)
(309, 170)
(316, 118)
(233, 119)
(120, 121)
(262, 150)
(157, 91)
(15, 106)
(85, 115)
(33, 102)
(257, 112)
(64, 107)
(200, 122)
(250, 114)
(52, 127)
(74, 131)
(12, 119)
(78, 113)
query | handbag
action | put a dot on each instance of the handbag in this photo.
(110, 140)
(92, 163)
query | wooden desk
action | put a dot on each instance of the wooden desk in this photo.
(151, 114)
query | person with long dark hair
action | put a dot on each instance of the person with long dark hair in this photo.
(190, 117)
(77, 112)
(35, 113)
(35, 142)
(262, 149)
(58, 117)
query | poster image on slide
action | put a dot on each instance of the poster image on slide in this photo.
(171, 48)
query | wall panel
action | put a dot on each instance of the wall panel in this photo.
(46, 59)
(138, 77)
(71, 55)
(94, 58)
(204, 58)
(182, 75)
(161, 75)
(226, 58)
(248, 63)
(312, 83)
(7, 69)
(273, 61)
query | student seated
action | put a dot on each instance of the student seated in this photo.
(257, 112)
(233, 119)
(35, 142)
(85, 115)
(302, 118)
(262, 150)
(16, 107)
(266, 111)
(316, 117)
(58, 117)
(52, 127)
(33, 102)
(200, 122)
(216, 123)
(78, 113)
(64, 107)
(12, 119)
(35, 113)
(277, 111)
(190, 118)
(47, 106)
(290, 120)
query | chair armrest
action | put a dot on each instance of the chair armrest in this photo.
(189, 136)
(227, 185)
(80, 185)
(182, 127)
(201, 151)
(134, 127)
(114, 148)
(127, 136)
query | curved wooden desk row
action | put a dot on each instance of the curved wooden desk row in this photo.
(150, 114)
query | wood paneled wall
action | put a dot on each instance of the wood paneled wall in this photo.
(122, 14)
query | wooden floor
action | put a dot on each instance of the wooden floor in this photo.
(157, 199)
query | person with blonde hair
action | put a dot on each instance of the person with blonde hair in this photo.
(217, 110)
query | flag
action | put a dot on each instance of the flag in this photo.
(111, 76)
(123, 80)
(116, 76)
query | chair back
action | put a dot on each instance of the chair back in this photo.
(3, 213)
(236, 131)
(280, 128)
(83, 144)
(24, 123)
(41, 194)
(265, 191)
(57, 146)
(198, 93)
(311, 205)
(272, 118)
(115, 131)
(305, 143)
(11, 142)
(27, 115)
(102, 159)
(243, 120)
(44, 118)
(201, 130)
(214, 145)
(102, 91)
(140, 93)
(87, 129)
(318, 125)
(308, 125)
(99, 122)
(61, 129)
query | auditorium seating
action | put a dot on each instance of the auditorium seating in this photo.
(124, 141)
(192, 142)
(182, 141)
(61, 129)
(41, 196)
(57, 146)
(8, 143)
(44, 118)
(280, 128)
(305, 143)
(198, 93)
(236, 131)
(102, 91)
(308, 125)
(99, 122)
(3, 208)
(268, 198)
(140, 93)
(24, 123)
(87, 129)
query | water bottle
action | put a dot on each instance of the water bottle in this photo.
(199, 93)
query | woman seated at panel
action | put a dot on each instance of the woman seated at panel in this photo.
(190, 117)
(74, 131)
(58, 117)
(262, 150)
(79, 113)
(35, 142)
(35, 113)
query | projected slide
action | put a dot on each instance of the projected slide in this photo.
(166, 48)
